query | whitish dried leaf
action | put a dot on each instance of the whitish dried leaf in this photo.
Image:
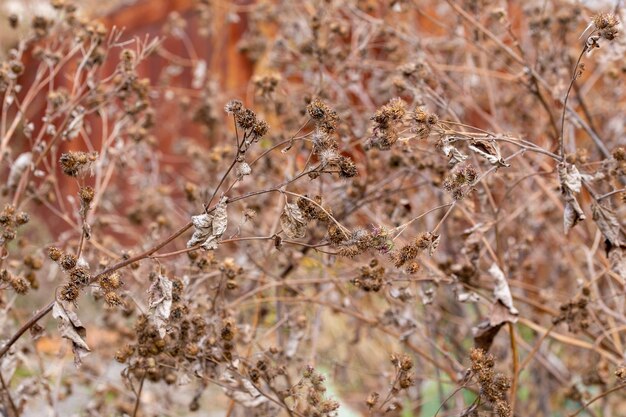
(220, 218)
(569, 177)
(203, 224)
(292, 221)
(209, 228)
(454, 155)
(468, 297)
(502, 292)
(490, 151)
(20, 165)
(199, 74)
(572, 214)
(571, 182)
(241, 390)
(160, 302)
(243, 169)
(72, 329)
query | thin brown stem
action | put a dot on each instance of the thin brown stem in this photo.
(138, 399)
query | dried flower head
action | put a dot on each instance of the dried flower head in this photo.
(77, 163)
(606, 25)
(493, 386)
(325, 118)
(68, 261)
(233, 107)
(424, 122)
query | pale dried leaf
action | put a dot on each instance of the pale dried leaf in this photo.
(209, 228)
(502, 292)
(220, 218)
(608, 224)
(72, 329)
(490, 151)
(569, 177)
(203, 228)
(160, 302)
(292, 221)
(572, 214)
(20, 165)
(571, 182)
(468, 297)
(242, 390)
(454, 155)
(243, 169)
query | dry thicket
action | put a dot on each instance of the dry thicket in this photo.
(413, 208)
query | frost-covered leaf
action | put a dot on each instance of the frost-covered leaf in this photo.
(490, 151)
(209, 228)
(72, 329)
(20, 165)
(160, 302)
(292, 221)
(502, 291)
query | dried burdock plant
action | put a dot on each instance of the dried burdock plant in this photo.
(248, 211)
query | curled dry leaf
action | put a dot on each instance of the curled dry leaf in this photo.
(502, 311)
(160, 302)
(490, 151)
(292, 221)
(610, 228)
(242, 170)
(468, 297)
(241, 390)
(17, 169)
(502, 292)
(608, 224)
(569, 177)
(72, 329)
(454, 155)
(209, 227)
(571, 182)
